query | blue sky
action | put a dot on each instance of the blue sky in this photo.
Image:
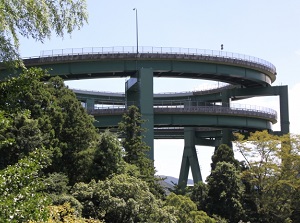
(267, 29)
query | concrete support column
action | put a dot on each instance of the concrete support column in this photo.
(284, 110)
(132, 92)
(226, 132)
(227, 137)
(145, 82)
(139, 92)
(90, 104)
(189, 159)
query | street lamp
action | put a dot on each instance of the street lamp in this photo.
(137, 31)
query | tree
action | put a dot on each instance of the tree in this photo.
(295, 205)
(223, 154)
(74, 131)
(24, 135)
(36, 19)
(56, 183)
(57, 190)
(273, 173)
(108, 157)
(63, 123)
(136, 149)
(225, 192)
(198, 195)
(121, 198)
(21, 187)
(65, 213)
(186, 210)
(224, 195)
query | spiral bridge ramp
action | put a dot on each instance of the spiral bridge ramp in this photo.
(205, 118)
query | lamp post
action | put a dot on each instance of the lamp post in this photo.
(137, 31)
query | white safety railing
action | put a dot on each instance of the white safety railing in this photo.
(187, 106)
(155, 50)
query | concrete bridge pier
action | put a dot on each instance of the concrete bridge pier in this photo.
(189, 159)
(139, 92)
(90, 104)
(226, 132)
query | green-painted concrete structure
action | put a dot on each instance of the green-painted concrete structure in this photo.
(205, 118)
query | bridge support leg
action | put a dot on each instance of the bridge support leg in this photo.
(284, 110)
(189, 159)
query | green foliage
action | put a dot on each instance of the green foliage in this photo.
(121, 198)
(65, 213)
(223, 154)
(136, 149)
(56, 187)
(295, 206)
(220, 219)
(20, 189)
(186, 210)
(62, 123)
(56, 183)
(75, 131)
(133, 143)
(272, 174)
(24, 136)
(108, 157)
(198, 195)
(25, 91)
(61, 199)
(37, 20)
(225, 192)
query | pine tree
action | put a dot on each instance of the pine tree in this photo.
(136, 149)
(225, 192)
(223, 153)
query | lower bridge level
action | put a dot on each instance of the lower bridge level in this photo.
(200, 118)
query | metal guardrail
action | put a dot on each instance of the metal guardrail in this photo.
(206, 89)
(193, 107)
(204, 53)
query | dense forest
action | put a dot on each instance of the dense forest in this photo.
(57, 167)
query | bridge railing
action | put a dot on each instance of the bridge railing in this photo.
(198, 91)
(156, 50)
(177, 106)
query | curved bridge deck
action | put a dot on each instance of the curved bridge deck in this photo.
(268, 114)
(177, 114)
(157, 53)
(87, 63)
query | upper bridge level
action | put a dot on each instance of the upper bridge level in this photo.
(105, 62)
